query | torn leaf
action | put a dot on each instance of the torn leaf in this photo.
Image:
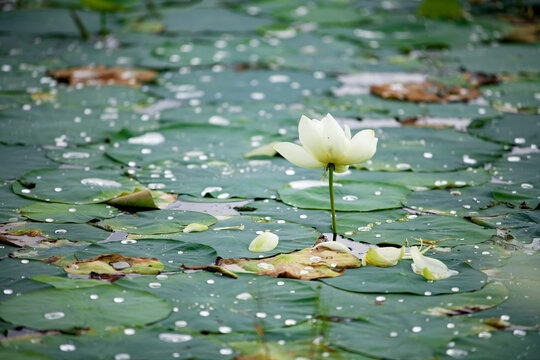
(305, 264)
(115, 263)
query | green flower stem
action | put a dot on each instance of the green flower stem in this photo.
(103, 31)
(331, 168)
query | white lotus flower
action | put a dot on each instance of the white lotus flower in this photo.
(266, 241)
(383, 257)
(325, 142)
(430, 268)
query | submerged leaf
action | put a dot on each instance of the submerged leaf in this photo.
(305, 264)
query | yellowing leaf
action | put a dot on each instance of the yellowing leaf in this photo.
(305, 264)
(114, 264)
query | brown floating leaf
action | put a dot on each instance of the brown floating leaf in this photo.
(212, 268)
(138, 199)
(477, 79)
(430, 92)
(305, 264)
(115, 264)
(101, 75)
(523, 33)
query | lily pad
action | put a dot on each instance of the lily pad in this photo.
(238, 232)
(523, 226)
(401, 279)
(89, 155)
(74, 186)
(67, 213)
(431, 229)
(158, 221)
(17, 160)
(10, 203)
(171, 253)
(426, 149)
(66, 309)
(520, 130)
(208, 302)
(71, 232)
(350, 196)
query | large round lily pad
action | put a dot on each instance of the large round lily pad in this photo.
(74, 186)
(348, 195)
(401, 279)
(386, 228)
(158, 221)
(67, 213)
(96, 307)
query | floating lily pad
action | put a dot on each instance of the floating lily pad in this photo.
(189, 144)
(67, 213)
(272, 210)
(422, 181)
(350, 196)
(172, 253)
(523, 226)
(65, 309)
(68, 126)
(93, 156)
(66, 283)
(518, 169)
(473, 201)
(74, 186)
(10, 203)
(417, 335)
(149, 343)
(426, 149)
(17, 160)
(356, 305)
(72, 232)
(158, 221)
(521, 130)
(257, 178)
(387, 229)
(498, 59)
(238, 232)
(401, 279)
(515, 96)
(208, 302)
(247, 86)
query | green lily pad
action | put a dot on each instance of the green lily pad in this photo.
(400, 335)
(208, 302)
(422, 181)
(16, 276)
(10, 203)
(273, 210)
(66, 283)
(390, 229)
(426, 149)
(523, 226)
(68, 126)
(401, 279)
(350, 196)
(340, 303)
(71, 232)
(67, 213)
(238, 87)
(147, 343)
(324, 14)
(473, 201)
(521, 130)
(257, 178)
(93, 156)
(158, 221)
(172, 253)
(65, 309)
(17, 160)
(74, 186)
(238, 232)
(515, 96)
(518, 169)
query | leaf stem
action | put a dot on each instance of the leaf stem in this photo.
(103, 31)
(80, 26)
(331, 168)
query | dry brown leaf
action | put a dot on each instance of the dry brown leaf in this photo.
(305, 264)
(101, 75)
(428, 92)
